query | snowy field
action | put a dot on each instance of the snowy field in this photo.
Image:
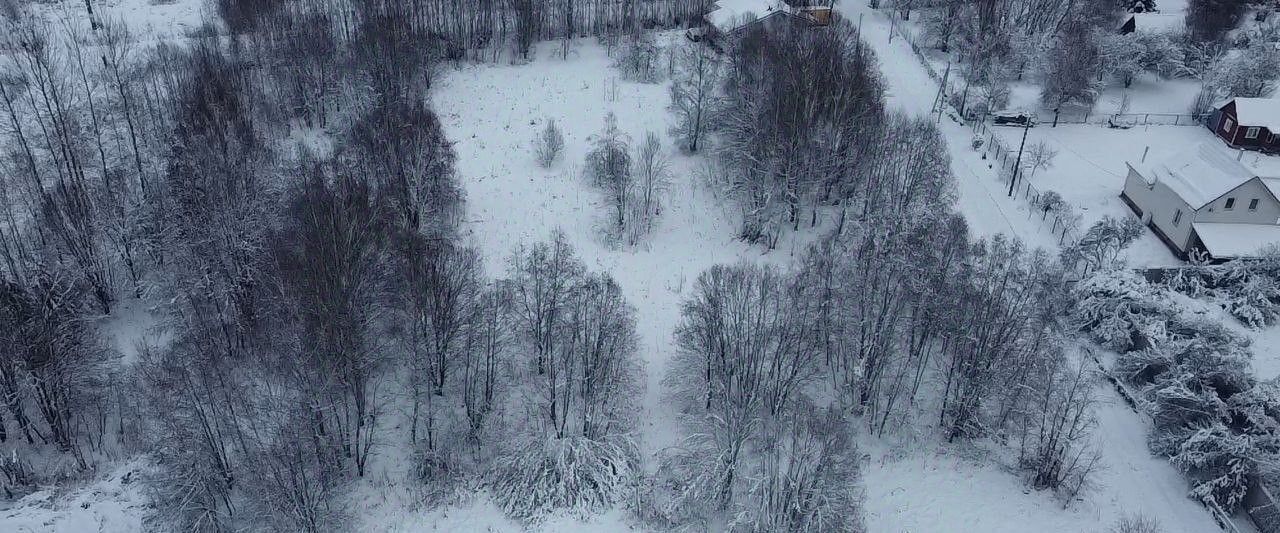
(493, 112)
(152, 19)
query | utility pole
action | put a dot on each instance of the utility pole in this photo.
(1017, 163)
(858, 46)
(940, 101)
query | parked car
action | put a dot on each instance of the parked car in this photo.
(1014, 118)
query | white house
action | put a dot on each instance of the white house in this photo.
(1205, 200)
(733, 16)
(728, 16)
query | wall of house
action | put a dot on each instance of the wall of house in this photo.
(1159, 205)
(1235, 135)
(1227, 133)
(1243, 141)
(1268, 211)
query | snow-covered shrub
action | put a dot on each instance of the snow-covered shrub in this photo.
(1056, 449)
(1116, 308)
(1100, 246)
(549, 144)
(1219, 463)
(16, 476)
(640, 59)
(1180, 402)
(609, 167)
(1137, 523)
(442, 471)
(573, 473)
(807, 480)
(1142, 366)
(1257, 410)
(1224, 367)
(694, 475)
(1248, 289)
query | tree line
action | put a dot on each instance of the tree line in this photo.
(312, 295)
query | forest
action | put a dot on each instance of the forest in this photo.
(318, 303)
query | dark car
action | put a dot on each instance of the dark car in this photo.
(1014, 119)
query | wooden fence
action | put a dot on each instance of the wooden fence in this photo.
(955, 94)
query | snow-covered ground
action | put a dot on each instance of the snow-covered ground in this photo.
(116, 503)
(152, 19)
(959, 488)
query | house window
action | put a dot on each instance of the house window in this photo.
(1252, 132)
(1231, 203)
(1253, 204)
(1227, 124)
(1177, 217)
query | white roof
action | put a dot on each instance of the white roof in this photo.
(1273, 185)
(728, 13)
(1231, 241)
(1258, 112)
(1159, 22)
(1198, 175)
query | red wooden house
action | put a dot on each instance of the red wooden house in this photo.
(1248, 123)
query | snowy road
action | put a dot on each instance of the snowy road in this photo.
(982, 198)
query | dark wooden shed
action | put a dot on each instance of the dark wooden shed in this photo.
(1248, 123)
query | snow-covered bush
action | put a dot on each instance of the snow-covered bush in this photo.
(609, 167)
(1137, 523)
(16, 477)
(1219, 462)
(1257, 410)
(807, 481)
(1179, 403)
(1100, 247)
(549, 144)
(574, 473)
(640, 59)
(1117, 308)
(1210, 418)
(1054, 429)
(1247, 289)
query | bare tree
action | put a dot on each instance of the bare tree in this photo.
(334, 264)
(609, 167)
(549, 144)
(694, 92)
(652, 178)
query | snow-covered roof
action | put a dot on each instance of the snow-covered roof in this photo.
(1159, 22)
(729, 13)
(1273, 185)
(1231, 241)
(1258, 112)
(1199, 175)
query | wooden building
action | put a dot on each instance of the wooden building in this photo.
(1248, 123)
